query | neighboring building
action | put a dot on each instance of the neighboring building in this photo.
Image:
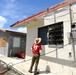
(55, 26)
(11, 42)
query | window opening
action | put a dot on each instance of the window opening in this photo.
(55, 34)
(51, 34)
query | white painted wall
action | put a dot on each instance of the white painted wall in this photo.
(65, 17)
(62, 63)
(32, 33)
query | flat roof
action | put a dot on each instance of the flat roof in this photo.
(65, 3)
(11, 31)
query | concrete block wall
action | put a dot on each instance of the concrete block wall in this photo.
(9, 43)
(60, 63)
(58, 69)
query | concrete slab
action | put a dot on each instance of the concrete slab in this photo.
(23, 65)
(8, 60)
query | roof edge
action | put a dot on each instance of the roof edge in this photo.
(62, 4)
(12, 31)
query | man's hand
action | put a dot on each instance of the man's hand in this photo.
(40, 52)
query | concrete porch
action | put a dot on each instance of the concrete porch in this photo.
(22, 65)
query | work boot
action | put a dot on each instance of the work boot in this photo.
(36, 73)
(30, 71)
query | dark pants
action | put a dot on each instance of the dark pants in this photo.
(35, 60)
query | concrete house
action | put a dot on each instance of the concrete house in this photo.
(56, 26)
(11, 42)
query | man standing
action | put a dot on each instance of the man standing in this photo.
(36, 51)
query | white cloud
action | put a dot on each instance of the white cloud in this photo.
(24, 17)
(14, 10)
(10, 9)
(3, 21)
(22, 29)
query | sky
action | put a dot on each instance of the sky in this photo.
(12, 11)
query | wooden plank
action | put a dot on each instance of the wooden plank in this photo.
(3, 42)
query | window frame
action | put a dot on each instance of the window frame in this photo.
(52, 25)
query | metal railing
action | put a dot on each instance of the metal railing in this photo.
(8, 69)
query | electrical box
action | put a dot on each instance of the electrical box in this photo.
(69, 34)
(74, 34)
